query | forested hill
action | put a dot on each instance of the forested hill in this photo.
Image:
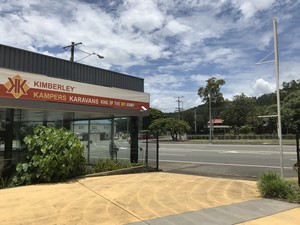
(244, 111)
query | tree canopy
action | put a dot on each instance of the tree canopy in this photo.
(154, 114)
(240, 112)
(289, 87)
(291, 111)
(212, 88)
(290, 108)
(174, 126)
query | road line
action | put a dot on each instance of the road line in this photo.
(225, 164)
(172, 154)
(250, 153)
(228, 151)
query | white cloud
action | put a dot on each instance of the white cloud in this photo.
(166, 100)
(166, 88)
(221, 55)
(142, 15)
(174, 27)
(249, 8)
(263, 87)
(174, 45)
(264, 40)
(289, 70)
(163, 81)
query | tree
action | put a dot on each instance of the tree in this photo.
(189, 117)
(289, 108)
(270, 124)
(153, 115)
(241, 111)
(176, 127)
(290, 114)
(289, 87)
(213, 86)
(201, 117)
(266, 99)
(212, 94)
(291, 111)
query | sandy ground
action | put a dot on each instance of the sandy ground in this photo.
(119, 199)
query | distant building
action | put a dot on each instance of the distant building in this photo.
(99, 130)
(218, 126)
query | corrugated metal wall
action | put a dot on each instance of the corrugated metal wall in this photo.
(22, 60)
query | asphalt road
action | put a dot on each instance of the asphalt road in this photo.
(243, 161)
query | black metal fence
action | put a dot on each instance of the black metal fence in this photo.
(297, 165)
(149, 149)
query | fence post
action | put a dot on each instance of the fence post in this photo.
(147, 147)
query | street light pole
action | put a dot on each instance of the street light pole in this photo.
(210, 120)
(195, 120)
(278, 94)
(276, 60)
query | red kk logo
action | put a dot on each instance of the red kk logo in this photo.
(16, 86)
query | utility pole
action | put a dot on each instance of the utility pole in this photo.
(179, 108)
(195, 118)
(72, 47)
(210, 119)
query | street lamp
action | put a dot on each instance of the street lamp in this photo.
(276, 60)
(278, 94)
(210, 119)
(89, 54)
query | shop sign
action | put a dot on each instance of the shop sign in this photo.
(42, 88)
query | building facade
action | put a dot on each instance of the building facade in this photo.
(39, 89)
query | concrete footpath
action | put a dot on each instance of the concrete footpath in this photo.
(145, 198)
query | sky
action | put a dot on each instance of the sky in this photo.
(174, 45)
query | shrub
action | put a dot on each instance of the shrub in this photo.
(103, 165)
(271, 185)
(3, 183)
(53, 155)
(244, 130)
(294, 196)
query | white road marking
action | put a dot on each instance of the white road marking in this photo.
(225, 164)
(247, 152)
(172, 154)
(228, 152)
(222, 151)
